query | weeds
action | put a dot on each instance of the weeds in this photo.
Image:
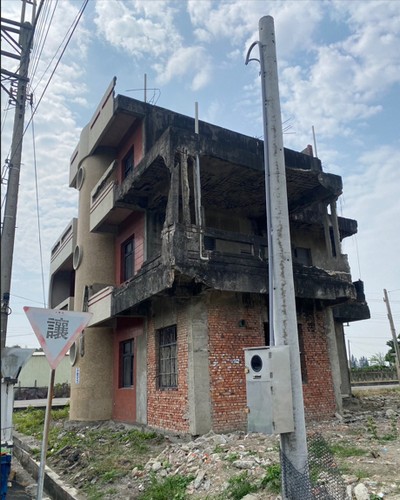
(344, 450)
(105, 454)
(232, 457)
(272, 479)
(31, 420)
(372, 428)
(239, 486)
(173, 487)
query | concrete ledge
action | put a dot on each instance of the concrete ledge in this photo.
(374, 383)
(54, 486)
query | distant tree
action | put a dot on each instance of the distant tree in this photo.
(377, 359)
(391, 354)
(363, 362)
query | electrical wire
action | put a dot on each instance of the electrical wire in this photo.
(72, 31)
(39, 34)
(37, 209)
(75, 24)
(24, 298)
(41, 51)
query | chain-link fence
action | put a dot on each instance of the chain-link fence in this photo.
(322, 480)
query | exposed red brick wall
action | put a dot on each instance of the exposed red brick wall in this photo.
(227, 339)
(318, 392)
(168, 409)
(226, 343)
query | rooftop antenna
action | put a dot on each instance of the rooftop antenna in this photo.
(196, 117)
(145, 87)
(315, 142)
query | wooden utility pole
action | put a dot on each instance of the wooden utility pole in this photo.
(24, 30)
(395, 343)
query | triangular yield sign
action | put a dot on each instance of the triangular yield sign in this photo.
(56, 330)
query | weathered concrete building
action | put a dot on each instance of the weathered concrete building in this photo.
(169, 253)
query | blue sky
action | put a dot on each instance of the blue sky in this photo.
(339, 72)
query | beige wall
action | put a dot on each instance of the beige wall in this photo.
(36, 373)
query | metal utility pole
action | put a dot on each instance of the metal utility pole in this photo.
(283, 318)
(25, 31)
(395, 343)
(348, 346)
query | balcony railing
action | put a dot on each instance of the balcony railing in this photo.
(99, 304)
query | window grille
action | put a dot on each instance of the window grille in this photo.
(167, 358)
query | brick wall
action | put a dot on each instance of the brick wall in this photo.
(168, 409)
(228, 336)
(318, 392)
(226, 343)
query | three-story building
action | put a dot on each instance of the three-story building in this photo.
(170, 254)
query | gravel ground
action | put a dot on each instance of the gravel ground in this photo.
(369, 427)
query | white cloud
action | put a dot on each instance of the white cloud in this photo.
(139, 28)
(193, 63)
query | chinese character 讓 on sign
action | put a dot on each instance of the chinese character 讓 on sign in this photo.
(57, 328)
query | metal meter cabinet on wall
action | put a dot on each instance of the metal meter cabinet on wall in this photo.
(269, 390)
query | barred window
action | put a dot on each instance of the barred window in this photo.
(167, 375)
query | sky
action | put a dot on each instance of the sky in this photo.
(339, 73)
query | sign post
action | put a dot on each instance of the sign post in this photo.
(56, 331)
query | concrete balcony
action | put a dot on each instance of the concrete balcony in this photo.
(66, 305)
(104, 214)
(63, 249)
(226, 261)
(99, 304)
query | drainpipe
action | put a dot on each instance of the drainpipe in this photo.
(335, 226)
(197, 191)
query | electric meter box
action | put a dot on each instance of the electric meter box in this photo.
(269, 390)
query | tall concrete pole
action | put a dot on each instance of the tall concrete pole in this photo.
(10, 210)
(293, 444)
(395, 343)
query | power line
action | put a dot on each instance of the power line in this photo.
(72, 28)
(37, 210)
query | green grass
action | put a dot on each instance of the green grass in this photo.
(172, 487)
(345, 450)
(105, 453)
(232, 457)
(240, 486)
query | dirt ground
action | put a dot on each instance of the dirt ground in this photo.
(365, 443)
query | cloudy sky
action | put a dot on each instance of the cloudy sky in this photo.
(339, 72)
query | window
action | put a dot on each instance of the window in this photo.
(126, 364)
(127, 164)
(127, 259)
(302, 256)
(303, 364)
(167, 375)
